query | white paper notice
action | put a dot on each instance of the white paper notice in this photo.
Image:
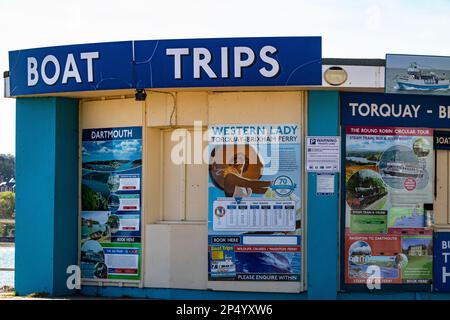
(323, 154)
(325, 184)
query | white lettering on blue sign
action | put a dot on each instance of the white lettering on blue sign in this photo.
(445, 245)
(111, 134)
(385, 110)
(443, 140)
(244, 57)
(444, 112)
(70, 69)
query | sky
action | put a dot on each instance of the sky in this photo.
(349, 29)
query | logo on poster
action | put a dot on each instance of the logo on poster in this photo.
(410, 184)
(283, 186)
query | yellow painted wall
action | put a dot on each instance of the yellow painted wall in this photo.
(441, 203)
(111, 113)
(182, 191)
(181, 110)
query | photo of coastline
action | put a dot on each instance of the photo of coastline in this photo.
(102, 160)
(112, 155)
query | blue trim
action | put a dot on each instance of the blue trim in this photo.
(322, 215)
(47, 194)
(185, 294)
(149, 64)
(418, 86)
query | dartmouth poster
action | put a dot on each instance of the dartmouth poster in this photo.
(111, 203)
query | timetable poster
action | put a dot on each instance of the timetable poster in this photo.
(111, 203)
(388, 180)
(254, 206)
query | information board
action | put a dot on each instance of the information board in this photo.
(254, 206)
(111, 203)
(388, 178)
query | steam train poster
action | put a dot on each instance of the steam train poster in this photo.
(388, 178)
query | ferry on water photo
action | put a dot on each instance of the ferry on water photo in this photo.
(400, 169)
(417, 79)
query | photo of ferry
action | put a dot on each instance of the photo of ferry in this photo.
(402, 169)
(400, 162)
(418, 79)
(417, 74)
(422, 147)
(223, 268)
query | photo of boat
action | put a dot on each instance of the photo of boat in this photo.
(419, 79)
(223, 268)
(422, 147)
(399, 163)
(402, 169)
(417, 74)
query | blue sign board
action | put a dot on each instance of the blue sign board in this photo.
(101, 66)
(233, 62)
(378, 109)
(441, 263)
(441, 140)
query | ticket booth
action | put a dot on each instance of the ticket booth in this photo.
(177, 169)
(174, 165)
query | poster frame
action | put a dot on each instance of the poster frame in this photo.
(262, 286)
(112, 282)
(432, 93)
(343, 287)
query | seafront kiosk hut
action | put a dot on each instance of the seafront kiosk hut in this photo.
(97, 126)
